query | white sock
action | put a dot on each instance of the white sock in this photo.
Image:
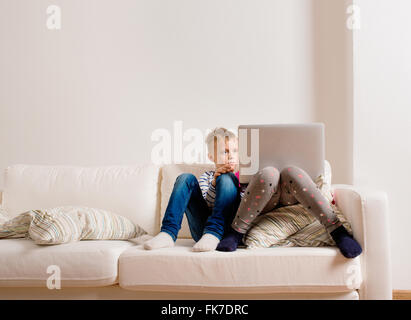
(208, 242)
(162, 240)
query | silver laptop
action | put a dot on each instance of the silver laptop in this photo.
(280, 145)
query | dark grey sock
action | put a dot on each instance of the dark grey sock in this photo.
(348, 246)
(231, 241)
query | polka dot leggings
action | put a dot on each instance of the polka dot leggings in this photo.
(269, 188)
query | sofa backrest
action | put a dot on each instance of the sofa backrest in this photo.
(131, 191)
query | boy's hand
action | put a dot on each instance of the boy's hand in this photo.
(223, 169)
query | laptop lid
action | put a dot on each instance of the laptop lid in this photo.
(281, 145)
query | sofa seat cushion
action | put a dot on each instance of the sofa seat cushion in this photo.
(89, 263)
(285, 269)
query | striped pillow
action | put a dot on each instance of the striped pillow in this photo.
(293, 226)
(16, 227)
(272, 228)
(290, 226)
(73, 223)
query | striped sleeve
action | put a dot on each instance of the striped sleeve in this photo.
(207, 189)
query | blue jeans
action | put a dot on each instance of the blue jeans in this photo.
(187, 197)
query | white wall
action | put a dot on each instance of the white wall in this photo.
(382, 117)
(93, 92)
(333, 74)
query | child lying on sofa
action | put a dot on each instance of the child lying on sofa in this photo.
(210, 203)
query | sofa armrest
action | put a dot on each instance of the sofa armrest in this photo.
(367, 212)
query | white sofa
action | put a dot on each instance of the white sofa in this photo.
(124, 270)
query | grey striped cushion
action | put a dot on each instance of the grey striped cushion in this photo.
(269, 229)
(74, 223)
(16, 227)
(293, 226)
(70, 223)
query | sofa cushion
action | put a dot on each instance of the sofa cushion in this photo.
(129, 191)
(91, 263)
(251, 270)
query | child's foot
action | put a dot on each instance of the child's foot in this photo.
(141, 239)
(230, 242)
(208, 242)
(348, 246)
(162, 240)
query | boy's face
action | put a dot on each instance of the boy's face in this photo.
(225, 152)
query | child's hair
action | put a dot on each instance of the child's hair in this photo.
(218, 132)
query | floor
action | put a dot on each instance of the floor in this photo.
(401, 295)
